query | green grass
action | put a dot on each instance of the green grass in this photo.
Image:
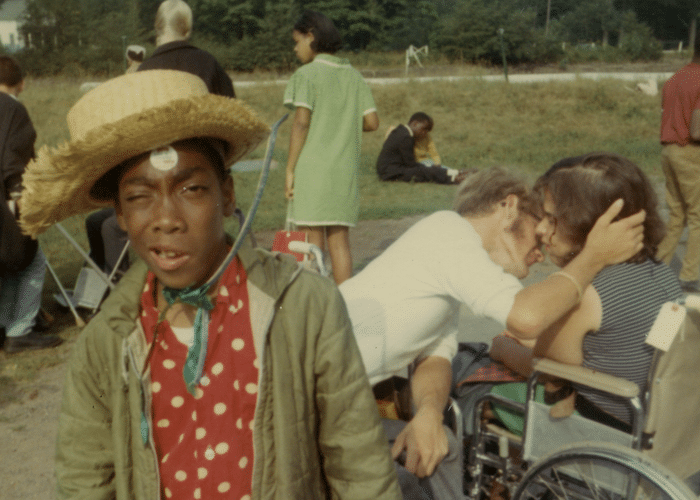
(477, 124)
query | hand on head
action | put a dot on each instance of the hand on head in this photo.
(613, 241)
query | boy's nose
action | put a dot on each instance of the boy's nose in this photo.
(168, 217)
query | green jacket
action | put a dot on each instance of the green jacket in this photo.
(317, 432)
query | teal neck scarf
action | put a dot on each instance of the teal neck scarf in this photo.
(194, 364)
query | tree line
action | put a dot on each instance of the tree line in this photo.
(89, 36)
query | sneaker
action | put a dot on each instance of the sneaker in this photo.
(690, 286)
(30, 341)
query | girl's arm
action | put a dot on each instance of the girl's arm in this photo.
(370, 122)
(563, 342)
(297, 139)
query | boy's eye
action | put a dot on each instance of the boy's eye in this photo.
(135, 196)
(194, 189)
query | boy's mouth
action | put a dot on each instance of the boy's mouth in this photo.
(168, 259)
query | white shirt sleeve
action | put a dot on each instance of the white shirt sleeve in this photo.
(472, 277)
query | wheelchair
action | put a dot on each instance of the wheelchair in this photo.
(577, 458)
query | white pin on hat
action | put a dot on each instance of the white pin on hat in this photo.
(164, 159)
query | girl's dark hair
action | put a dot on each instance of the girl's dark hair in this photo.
(583, 188)
(326, 37)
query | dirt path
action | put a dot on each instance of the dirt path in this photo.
(28, 423)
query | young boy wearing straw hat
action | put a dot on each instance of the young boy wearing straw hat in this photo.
(252, 387)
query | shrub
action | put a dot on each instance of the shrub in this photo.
(471, 34)
(636, 40)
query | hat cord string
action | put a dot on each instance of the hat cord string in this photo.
(198, 297)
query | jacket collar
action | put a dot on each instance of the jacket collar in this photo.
(269, 275)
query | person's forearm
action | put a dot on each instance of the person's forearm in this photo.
(370, 122)
(538, 306)
(430, 384)
(297, 138)
(695, 125)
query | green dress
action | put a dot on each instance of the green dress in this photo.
(326, 191)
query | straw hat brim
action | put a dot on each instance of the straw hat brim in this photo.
(58, 182)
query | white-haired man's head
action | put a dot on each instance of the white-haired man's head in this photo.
(173, 22)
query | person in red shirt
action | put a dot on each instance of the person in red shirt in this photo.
(680, 160)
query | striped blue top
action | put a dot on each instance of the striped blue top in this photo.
(631, 295)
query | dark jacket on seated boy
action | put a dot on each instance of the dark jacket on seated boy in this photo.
(397, 162)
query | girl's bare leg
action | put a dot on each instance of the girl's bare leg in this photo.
(316, 235)
(339, 248)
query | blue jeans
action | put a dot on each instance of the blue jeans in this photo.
(20, 297)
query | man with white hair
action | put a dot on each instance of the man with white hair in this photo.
(173, 51)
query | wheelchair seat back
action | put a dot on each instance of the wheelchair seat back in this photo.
(674, 407)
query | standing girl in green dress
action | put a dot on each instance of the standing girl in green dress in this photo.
(333, 105)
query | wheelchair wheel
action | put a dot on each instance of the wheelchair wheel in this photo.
(600, 471)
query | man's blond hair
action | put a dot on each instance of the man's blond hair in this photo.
(482, 190)
(174, 18)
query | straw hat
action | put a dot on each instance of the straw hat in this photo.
(121, 119)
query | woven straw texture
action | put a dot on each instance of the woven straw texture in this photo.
(123, 118)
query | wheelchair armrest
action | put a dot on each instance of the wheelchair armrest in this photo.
(585, 376)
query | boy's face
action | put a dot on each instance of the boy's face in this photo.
(174, 213)
(420, 129)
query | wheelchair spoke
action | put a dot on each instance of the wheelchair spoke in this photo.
(596, 471)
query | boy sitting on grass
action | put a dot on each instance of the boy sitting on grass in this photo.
(397, 160)
(199, 378)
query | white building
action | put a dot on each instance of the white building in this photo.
(11, 12)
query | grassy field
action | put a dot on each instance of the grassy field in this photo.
(477, 124)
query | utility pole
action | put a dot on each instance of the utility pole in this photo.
(503, 53)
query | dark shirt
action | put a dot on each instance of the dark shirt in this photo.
(17, 136)
(397, 152)
(182, 56)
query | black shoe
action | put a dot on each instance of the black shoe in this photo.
(690, 286)
(30, 341)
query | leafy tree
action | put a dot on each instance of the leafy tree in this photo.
(691, 8)
(471, 33)
(227, 20)
(77, 35)
(591, 20)
(408, 23)
(636, 40)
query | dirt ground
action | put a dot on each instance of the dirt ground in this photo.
(28, 423)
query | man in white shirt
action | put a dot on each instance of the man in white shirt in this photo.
(405, 304)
